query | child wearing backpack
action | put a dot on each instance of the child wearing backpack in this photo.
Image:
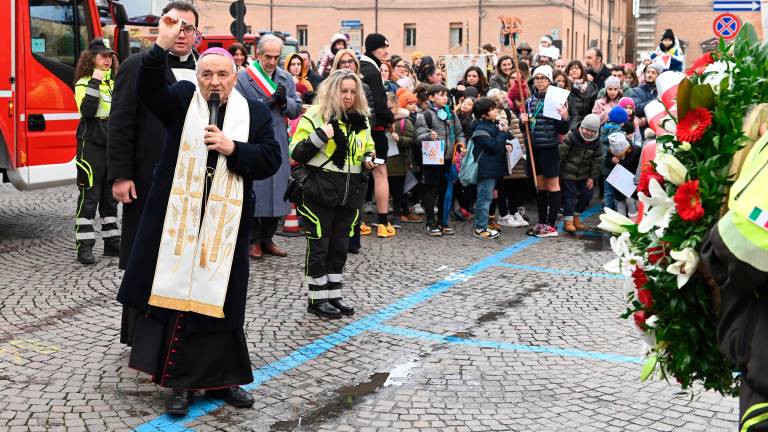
(616, 119)
(398, 166)
(439, 123)
(489, 145)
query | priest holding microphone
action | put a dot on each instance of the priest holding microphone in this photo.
(188, 273)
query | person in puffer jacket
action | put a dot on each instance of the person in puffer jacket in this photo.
(545, 137)
(338, 42)
(490, 152)
(581, 156)
(93, 95)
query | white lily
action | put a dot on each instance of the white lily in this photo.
(621, 246)
(614, 222)
(670, 168)
(652, 321)
(685, 264)
(720, 70)
(659, 208)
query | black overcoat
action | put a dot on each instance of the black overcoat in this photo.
(258, 158)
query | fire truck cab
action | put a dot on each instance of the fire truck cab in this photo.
(38, 115)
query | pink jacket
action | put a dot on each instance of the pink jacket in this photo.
(602, 108)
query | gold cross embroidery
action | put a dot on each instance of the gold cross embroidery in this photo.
(222, 215)
(186, 194)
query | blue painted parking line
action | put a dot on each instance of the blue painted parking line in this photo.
(562, 352)
(168, 423)
(560, 272)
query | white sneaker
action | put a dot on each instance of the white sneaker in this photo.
(520, 221)
(417, 209)
(368, 208)
(507, 220)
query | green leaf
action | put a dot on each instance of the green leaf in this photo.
(648, 367)
(724, 85)
(702, 96)
(684, 90)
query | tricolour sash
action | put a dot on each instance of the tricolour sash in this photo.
(262, 79)
(195, 259)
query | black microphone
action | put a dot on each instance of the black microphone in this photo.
(213, 108)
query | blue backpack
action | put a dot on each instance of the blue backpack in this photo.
(468, 171)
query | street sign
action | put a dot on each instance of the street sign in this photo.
(727, 26)
(351, 23)
(736, 5)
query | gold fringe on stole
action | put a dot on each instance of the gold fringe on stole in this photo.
(186, 306)
(206, 309)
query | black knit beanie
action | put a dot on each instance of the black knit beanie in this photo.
(668, 34)
(375, 41)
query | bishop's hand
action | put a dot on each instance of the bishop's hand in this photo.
(217, 141)
(168, 30)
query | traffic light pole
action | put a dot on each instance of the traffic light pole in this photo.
(237, 11)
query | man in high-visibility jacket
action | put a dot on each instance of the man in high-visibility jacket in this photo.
(735, 253)
(93, 94)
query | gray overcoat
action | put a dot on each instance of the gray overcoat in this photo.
(269, 193)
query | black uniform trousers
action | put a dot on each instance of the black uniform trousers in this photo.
(95, 193)
(328, 230)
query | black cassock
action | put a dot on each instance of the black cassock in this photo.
(186, 350)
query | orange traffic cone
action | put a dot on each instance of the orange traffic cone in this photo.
(291, 226)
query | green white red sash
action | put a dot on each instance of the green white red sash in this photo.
(261, 78)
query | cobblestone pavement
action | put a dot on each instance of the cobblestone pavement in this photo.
(451, 334)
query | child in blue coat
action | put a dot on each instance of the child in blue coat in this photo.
(490, 152)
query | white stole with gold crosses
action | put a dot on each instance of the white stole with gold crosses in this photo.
(195, 260)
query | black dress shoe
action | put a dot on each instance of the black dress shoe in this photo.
(235, 396)
(178, 402)
(324, 310)
(85, 256)
(345, 310)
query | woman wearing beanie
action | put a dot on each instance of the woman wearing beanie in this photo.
(669, 47)
(377, 51)
(611, 99)
(581, 156)
(338, 42)
(545, 137)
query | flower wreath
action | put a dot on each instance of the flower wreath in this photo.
(698, 118)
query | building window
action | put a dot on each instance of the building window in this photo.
(302, 35)
(410, 35)
(456, 35)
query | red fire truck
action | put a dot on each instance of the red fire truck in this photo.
(38, 117)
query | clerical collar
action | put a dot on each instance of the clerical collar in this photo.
(182, 58)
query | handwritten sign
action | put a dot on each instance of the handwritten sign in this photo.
(433, 152)
(456, 65)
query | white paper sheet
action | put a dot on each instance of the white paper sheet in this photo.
(514, 156)
(410, 182)
(392, 149)
(622, 179)
(552, 101)
(433, 152)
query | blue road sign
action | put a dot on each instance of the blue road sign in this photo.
(350, 23)
(736, 5)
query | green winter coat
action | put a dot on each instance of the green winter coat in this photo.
(580, 160)
(400, 164)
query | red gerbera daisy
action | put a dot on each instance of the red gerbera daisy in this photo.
(645, 297)
(640, 318)
(692, 127)
(638, 275)
(700, 64)
(688, 201)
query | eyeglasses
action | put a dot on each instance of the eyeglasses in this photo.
(346, 62)
(540, 78)
(401, 66)
(189, 30)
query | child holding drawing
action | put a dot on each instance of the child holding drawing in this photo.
(441, 125)
(627, 155)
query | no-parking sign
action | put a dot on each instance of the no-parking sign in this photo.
(727, 26)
